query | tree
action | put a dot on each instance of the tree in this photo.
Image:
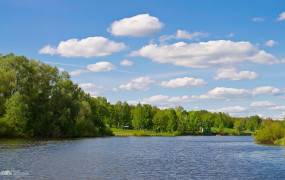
(16, 116)
(142, 116)
(37, 100)
(239, 125)
(253, 123)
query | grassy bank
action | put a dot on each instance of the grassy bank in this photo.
(131, 132)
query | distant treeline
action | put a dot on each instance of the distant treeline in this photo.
(37, 100)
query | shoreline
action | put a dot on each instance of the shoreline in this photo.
(130, 132)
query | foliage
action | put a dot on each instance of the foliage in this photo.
(37, 100)
(270, 132)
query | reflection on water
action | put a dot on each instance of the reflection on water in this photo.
(142, 158)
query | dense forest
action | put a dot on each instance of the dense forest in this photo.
(37, 100)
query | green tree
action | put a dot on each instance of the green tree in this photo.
(16, 116)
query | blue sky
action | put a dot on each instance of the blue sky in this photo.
(216, 55)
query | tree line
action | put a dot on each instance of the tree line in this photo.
(147, 117)
(37, 100)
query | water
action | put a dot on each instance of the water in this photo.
(138, 158)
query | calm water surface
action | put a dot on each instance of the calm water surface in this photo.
(135, 158)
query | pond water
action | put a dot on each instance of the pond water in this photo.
(188, 157)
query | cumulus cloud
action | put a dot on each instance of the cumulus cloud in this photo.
(281, 17)
(233, 74)
(166, 101)
(230, 93)
(163, 98)
(183, 82)
(182, 34)
(262, 104)
(266, 90)
(267, 104)
(48, 50)
(224, 93)
(231, 109)
(78, 72)
(91, 88)
(205, 54)
(136, 26)
(257, 19)
(89, 47)
(270, 43)
(126, 62)
(102, 66)
(278, 108)
(140, 83)
(163, 101)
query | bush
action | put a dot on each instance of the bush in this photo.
(270, 133)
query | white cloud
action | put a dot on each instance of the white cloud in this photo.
(140, 83)
(182, 34)
(266, 90)
(274, 116)
(102, 66)
(91, 88)
(205, 54)
(278, 108)
(233, 74)
(262, 57)
(231, 109)
(270, 43)
(166, 100)
(48, 50)
(183, 82)
(89, 47)
(163, 101)
(224, 93)
(126, 62)
(281, 17)
(262, 104)
(156, 99)
(230, 93)
(257, 19)
(136, 26)
(268, 104)
(78, 72)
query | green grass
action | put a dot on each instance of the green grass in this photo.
(129, 132)
(215, 131)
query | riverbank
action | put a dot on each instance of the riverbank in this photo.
(131, 132)
(215, 132)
